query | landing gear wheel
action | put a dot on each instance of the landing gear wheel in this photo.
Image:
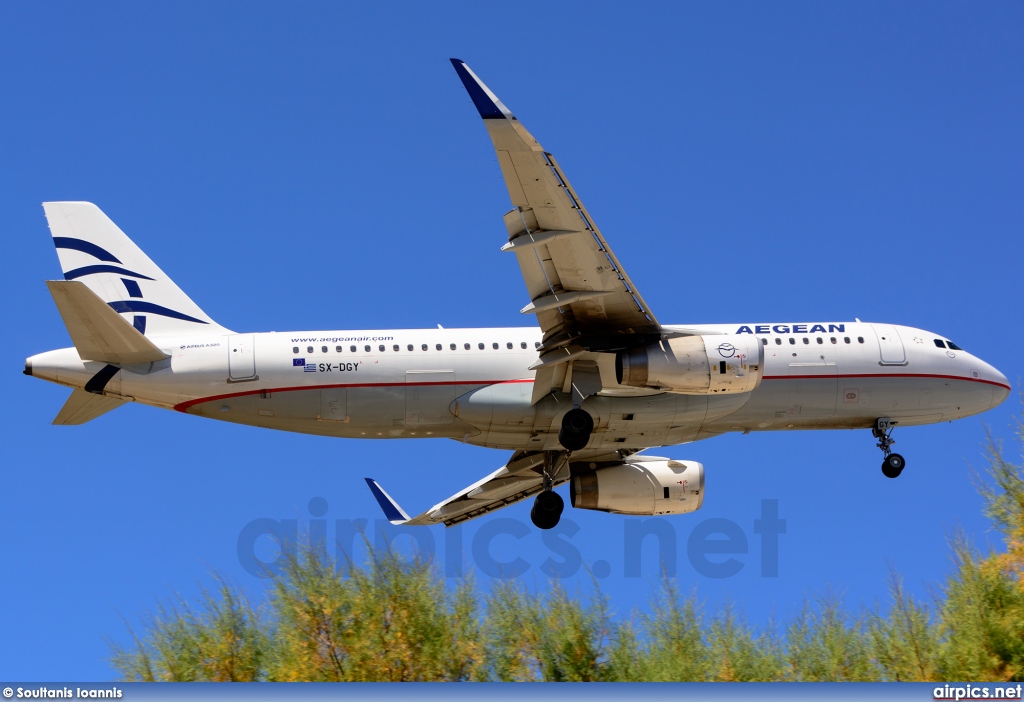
(893, 465)
(577, 425)
(547, 509)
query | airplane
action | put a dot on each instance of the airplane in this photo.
(577, 398)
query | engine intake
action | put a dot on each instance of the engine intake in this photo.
(643, 487)
(694, 365)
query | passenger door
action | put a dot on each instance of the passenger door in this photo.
(890, 345)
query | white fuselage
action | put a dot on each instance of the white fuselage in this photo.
(474, 384)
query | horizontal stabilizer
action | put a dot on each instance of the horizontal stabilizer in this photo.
(97, 331)
(84, 407)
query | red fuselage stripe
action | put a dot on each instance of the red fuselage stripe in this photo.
(184, 406)
(886, 375)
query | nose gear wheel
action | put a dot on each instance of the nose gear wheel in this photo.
(894, 463)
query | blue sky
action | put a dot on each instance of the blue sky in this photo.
(319, 166)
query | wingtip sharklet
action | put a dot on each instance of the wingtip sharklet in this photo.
(486, 102)
(394, 513)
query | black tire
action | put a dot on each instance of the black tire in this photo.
(577, 425)
(893, 465)
(547, 510)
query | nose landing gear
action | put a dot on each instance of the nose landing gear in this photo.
(894, 463)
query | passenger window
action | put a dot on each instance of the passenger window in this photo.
(522, 344)
(352, 348)
(323, 349)
(860, 339)
(466, 346)
(381, 347)
(820, 340)
(846, 339)
(792, 340)
(536, 344)
(940, 343)
(764, 342)
(366, 348)
(953, 346)
(309, 349)
(480, 346)
(395, 348)
(494, 345)
(424, 347)
(338, 348)
(409, 347)
(778, 341)
(295, 349)
(508, 345)
(452, 347)
(437, 346)
(806, 340)
(832, 339)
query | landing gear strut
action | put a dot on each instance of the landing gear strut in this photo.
(547, 507)
(894, 463)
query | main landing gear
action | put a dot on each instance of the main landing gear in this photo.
(548, 506)
(894, 463)
(577, 426)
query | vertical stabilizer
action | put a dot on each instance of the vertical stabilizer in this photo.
(93, 250)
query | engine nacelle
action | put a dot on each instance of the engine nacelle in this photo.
(694, 365)
(645, 486)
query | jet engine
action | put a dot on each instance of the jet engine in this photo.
(694, 365)
(645, 486)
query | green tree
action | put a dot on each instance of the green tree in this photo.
(222, 640)
(392, 618)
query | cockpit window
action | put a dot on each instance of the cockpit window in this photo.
(940, 343)
(953, 346)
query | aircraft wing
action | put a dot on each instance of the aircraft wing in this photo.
(517, 480)
(581, 294)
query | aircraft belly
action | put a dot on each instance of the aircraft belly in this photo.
(353, 412)
(506, 418)
(803, 403)
(656, 420)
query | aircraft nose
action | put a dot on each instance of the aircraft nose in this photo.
(1002, 390)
